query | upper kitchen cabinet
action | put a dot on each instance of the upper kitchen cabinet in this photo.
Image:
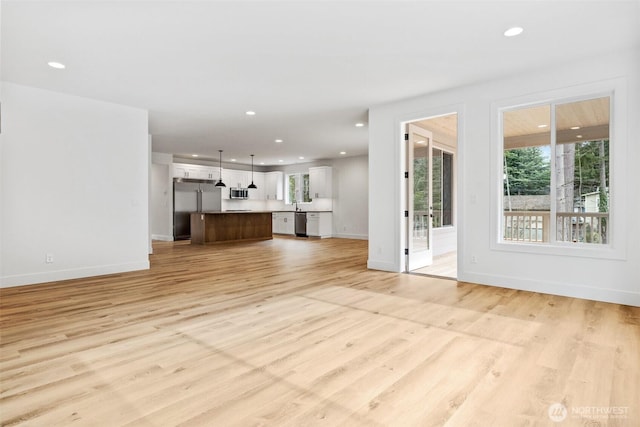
(185, 171)
(273, 185)
(235, 178)
(320, 182)
(182, 170)
(210, 173)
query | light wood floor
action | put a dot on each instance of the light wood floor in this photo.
(445, 265)
(296, 332)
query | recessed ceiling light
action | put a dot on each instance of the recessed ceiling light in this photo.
(359, 125)
(421, 142)
(542, 126)
(578, 136)
(233, 160)
(280, 161)
(575, 127)
(194, 155)
(57, 65)
(250, 113)
(262, 163)
(278, 140)
(513, 31)
(301, 157)
(343, 152)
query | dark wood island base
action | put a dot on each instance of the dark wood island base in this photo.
(219, 227)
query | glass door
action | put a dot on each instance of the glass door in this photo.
(419, 197)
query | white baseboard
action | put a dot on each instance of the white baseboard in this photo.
(351, 236)
(555, 288)
(162, 237)
(384, 266)
(54, 276)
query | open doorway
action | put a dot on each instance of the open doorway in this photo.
(431, 220)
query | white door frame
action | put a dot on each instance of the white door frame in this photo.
(419, 229)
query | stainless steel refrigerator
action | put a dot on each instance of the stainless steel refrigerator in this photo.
(192, 196)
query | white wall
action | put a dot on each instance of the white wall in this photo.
(351, 196)
(74, 185)
(161, 197)
(616, 279)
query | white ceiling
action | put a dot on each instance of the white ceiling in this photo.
(310, 69)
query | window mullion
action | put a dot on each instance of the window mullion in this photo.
(553, 179)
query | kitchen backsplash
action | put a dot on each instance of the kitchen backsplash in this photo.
(276, 205)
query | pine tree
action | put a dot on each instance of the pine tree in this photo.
(527, 171)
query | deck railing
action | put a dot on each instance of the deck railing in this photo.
(584, 227)
(534, 226)
(526, 226)
(420, 224)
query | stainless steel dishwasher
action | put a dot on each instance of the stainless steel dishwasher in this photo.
(301, 224)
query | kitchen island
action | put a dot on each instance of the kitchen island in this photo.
(227, 226)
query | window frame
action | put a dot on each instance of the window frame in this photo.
(299, 180)
(615, 248)
(452, 152)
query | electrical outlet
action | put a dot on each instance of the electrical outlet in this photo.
(474, 259)
(49, 258)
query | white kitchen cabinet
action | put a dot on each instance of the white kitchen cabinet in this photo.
(273, 185)
(288, 221)
(319, 224)
(183, 170)
(320, 182)
(283, 222)
(209, 173)
(235, 178)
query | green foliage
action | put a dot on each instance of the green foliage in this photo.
(420, 184)
(528, 171)
(292, 188)
(588, 164)
(298, 188)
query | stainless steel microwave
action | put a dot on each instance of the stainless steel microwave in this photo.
(238, 193)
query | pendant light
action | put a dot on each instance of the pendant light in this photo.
(252, 185)
(220, 183)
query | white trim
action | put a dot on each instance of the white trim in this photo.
(616, 89)
(555, 288)
(457, 215)
(350, 236)
(162, 237)
(383, 266)
(76, 273)
(399, 200)
(553, 180)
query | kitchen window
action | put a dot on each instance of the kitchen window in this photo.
(297, 190)
(556, 173)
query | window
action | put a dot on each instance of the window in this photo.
(556, 172)
(297, 188)
(442, 188)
